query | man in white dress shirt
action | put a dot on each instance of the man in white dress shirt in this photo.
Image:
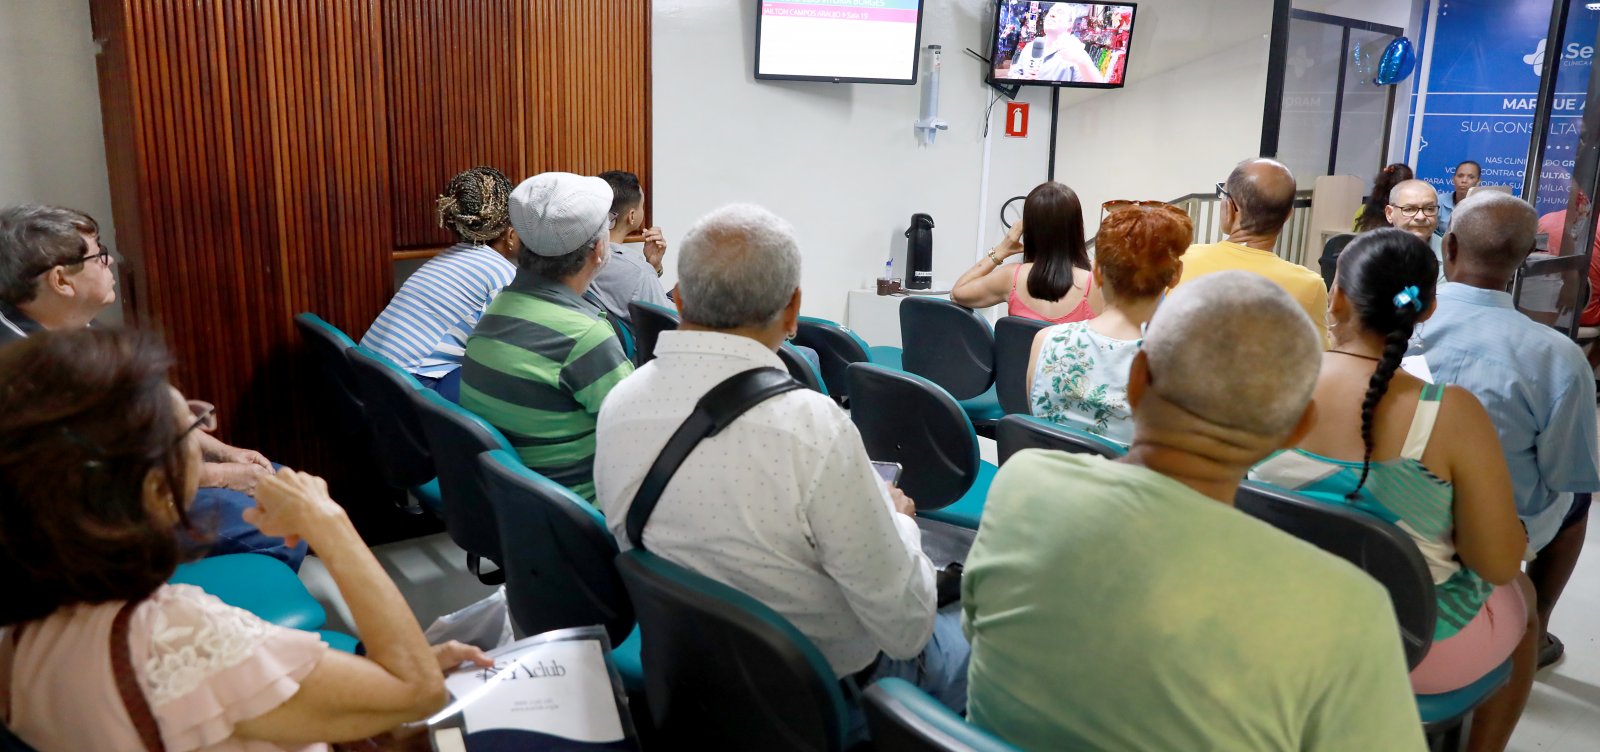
(783, 504)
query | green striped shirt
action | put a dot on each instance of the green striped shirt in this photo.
(537, 367)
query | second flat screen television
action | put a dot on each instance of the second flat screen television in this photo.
(1062, 44)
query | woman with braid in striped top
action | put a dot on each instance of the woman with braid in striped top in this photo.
(424, 329)
(1370, 450)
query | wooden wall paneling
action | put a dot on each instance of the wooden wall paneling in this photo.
(116, 78)
(527, 86)
(248, 150)
(450, 86)
(269, 156)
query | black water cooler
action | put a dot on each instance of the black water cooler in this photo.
(919, 253)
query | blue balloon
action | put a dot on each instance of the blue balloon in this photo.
(1398, 62)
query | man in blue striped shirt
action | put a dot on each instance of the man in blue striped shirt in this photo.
(425, 328)
(1534, 381)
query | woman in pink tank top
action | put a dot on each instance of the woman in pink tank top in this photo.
(1053, 282)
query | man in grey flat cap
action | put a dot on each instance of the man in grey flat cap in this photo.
(543, 357)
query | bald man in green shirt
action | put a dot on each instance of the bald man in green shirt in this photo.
(1126, 605)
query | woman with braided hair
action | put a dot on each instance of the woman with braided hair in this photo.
(1370, 450)
(425, 327)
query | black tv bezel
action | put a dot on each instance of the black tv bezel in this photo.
(994, 44)
(916, 59)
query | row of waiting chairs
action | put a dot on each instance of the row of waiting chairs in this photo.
(717, 668)
(902, 417)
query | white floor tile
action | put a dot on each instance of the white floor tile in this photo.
(431, 573)
(1564, 711)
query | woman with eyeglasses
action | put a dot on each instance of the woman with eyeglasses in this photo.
(1079, 371)
(1372, 449)
(54, 271)
(99, 459)
(1053, 282)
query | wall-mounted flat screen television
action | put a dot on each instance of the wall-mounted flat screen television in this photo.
(843, 41)
(1061, 44)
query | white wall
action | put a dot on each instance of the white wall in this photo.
(839, 161)
(52, 149)
(1197, 81)
(1389, 12)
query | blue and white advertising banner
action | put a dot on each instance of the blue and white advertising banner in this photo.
(1477, 92)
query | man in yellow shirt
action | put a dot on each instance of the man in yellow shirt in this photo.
(1256, 201)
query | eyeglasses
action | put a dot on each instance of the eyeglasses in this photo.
(205, 418)
(1222, 189)
(104, 257)
(1431, 210)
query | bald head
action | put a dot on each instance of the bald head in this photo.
(1493, 231)
(1235, 350)
(1409, 205)
(1263, 189)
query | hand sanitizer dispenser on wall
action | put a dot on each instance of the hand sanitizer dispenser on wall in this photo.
(919, 253)
(929, 124)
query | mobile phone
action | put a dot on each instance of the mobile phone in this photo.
(888, 471)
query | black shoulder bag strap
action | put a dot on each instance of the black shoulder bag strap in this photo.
(714, 412)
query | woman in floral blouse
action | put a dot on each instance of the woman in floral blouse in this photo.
(1079, 371)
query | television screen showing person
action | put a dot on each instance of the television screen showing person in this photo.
(1062, 43)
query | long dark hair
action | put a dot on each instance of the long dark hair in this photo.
(1388, 275)
(85, 416)
(1052, 240)
(1372, 212)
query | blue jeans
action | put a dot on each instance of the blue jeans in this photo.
(941, 669)
(221, 510)
(448, 386)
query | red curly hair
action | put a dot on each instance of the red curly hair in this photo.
(1138, 249)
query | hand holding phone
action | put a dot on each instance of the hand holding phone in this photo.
(888, 471)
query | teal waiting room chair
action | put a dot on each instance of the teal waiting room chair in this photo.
(399, 446)
(456, 437)
(725, 672)
(559, 560)
(1390, 557)
(952, 346)
(903, 718)
(837, 347)
(908, 419)
(1018, 432)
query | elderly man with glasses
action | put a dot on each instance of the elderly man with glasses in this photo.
(1414, 207)
(56, 274)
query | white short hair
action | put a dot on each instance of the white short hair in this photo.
(738, 266)
(1234, 349)
(1495, 222)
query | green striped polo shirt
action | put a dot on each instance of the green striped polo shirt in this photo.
(537, 367)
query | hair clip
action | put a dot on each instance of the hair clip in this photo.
(1408, 297)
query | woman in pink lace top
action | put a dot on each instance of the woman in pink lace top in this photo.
(98, 462)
